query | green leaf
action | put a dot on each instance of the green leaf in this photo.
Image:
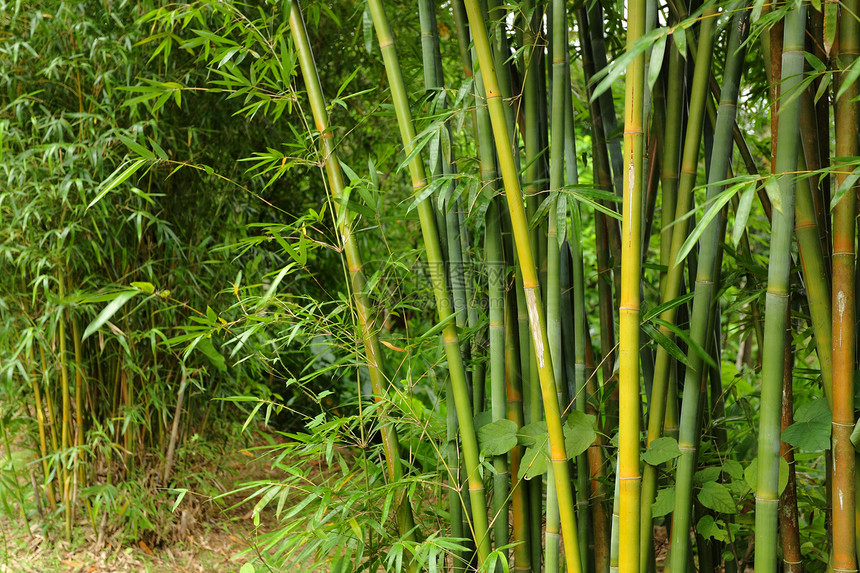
(536, 457)
(855, 436)
(661, 451)
(579, 433)
(497, 438)
(136, 147)
(656, 62)
(117, 178)
(657, 336)
(716, 496)
(771, 187)
(665, 502)
(705, 475)
(811, 428)
(208, 349)
(751, 474)
(147, 288)
(247, 568)
(107, 312)
(708, 528)
(714, 208)
(532, 434)
(742, 214)
(367, 26)
(734, 469)
(847, 184)
(534, 463)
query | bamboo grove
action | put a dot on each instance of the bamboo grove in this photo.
(594, 271)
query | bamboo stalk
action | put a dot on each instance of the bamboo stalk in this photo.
(521, 535)
(629, 476)
(66, 405)
(789, 527)
(844, 296)
(375, 363)
(456, 368)
(776, 309)
(531, 287)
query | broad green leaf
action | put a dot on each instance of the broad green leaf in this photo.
(811, 428)
(532, 434)
(716, 496)
(535, 461)
(579, 433)
(705, 475)
(751, 474)
(665, 502)
(734, 469)
(661, 451)
(497, 438)
(709, 529)
(107, 312)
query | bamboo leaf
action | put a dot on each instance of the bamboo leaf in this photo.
(208, 349)
(107, 312)
(846, 185)
(685, 336)
(657, 336)
(714, 209)
(117, 178)
(136, 147)
(656, 64)
(742, 214)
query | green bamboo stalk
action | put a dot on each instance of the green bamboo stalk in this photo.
(603, 179)
(556, 234)
(530, 285)
(847, 119)
(579, 334)
(498, 393)
(456, 368)
(767, 496)
(375, 361)
(702, 316)
(674, 277)
(664, 366)
(815, 275)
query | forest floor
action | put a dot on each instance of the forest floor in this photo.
(204, 538)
